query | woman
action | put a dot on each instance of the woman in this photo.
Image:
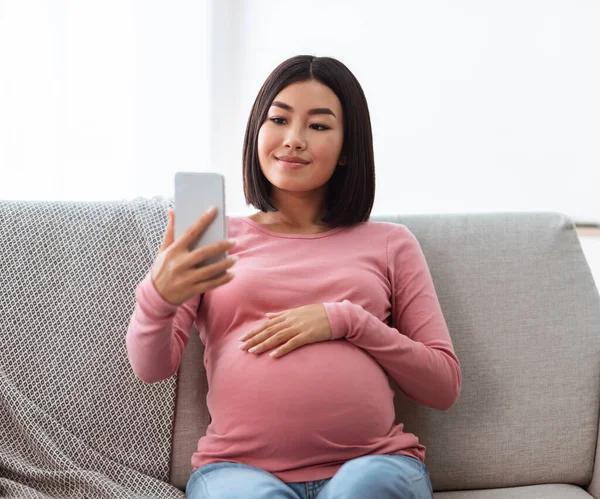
(324, 305)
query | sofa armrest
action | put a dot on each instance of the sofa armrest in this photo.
(594, 487)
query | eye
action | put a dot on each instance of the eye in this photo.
(277, 121)
(319, 127)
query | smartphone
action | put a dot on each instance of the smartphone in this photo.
(194, 193)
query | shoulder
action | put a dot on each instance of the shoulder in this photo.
(401, 245)
(394, 240)
(391, 231)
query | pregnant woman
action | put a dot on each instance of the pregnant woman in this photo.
(317, 306)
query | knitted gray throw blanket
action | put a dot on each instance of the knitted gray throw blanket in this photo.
(75, 422)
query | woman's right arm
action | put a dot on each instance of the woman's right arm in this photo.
(167, 299)
(158, 333)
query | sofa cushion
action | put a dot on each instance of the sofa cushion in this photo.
(191, 417)
(524, 316)
(551, 491)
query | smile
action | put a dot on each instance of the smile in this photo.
(290, 164)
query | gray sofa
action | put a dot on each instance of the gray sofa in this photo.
(516, 291)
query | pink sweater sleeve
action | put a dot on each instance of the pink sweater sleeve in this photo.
(158, 333)
(417, 353)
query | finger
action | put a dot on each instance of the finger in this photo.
(277, 340)
(203, 253)
(196, 229)
(213, 270)
(275, 314)
(169, 231)
(255, 331)
(274, 340)
(292, 344)
(258, 329)
(215, 283)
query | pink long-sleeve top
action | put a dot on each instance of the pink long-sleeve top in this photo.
(303, 415)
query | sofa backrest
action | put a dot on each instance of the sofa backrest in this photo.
(524, 317)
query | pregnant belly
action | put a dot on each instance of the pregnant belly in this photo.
(319, 397)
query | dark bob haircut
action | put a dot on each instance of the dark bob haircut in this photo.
(351, 189)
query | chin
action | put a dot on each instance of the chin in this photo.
(293, 181)
(293, 186)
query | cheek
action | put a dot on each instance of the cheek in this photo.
(328, 148)
(267, 141)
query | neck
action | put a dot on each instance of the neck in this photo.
(297, 211)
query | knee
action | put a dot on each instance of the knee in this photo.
(383, 477)
(233, 480)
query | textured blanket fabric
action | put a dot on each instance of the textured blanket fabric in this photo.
(75, 422)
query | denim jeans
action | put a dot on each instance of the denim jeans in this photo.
(382, 477)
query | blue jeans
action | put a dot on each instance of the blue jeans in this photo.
(382, 477)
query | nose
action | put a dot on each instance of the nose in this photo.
(295, 140)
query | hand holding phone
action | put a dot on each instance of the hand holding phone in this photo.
(175, 272)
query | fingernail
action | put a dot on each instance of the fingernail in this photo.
(253, 349)
(273, 353)
(232, 241)
(242, 346)
(211, 209)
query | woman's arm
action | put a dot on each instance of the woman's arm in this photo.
(417, 353)
(158, 333)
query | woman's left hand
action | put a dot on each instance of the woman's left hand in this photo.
(291, 329)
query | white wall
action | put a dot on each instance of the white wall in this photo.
(476, 105)
(102, 100)
(591, 250)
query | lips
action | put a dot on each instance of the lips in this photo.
(292, 161)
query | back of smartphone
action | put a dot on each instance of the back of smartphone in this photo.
(194, 193)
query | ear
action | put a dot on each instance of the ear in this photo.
(342, 161)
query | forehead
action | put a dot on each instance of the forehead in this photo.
(306, 95)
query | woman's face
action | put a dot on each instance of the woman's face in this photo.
(299, 143)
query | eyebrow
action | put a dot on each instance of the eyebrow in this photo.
(311, 112)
